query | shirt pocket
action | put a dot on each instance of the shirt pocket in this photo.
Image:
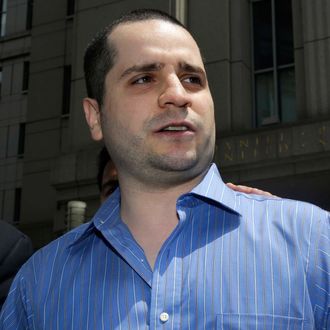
(260, 322)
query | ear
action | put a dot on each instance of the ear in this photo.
(92, 115)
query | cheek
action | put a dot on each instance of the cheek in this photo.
(134, 114)
(206, 111)
(122, 123)
(210, 109)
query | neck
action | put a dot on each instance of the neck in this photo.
(140, 202)
(150, 212)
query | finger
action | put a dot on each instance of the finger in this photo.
(249, 190)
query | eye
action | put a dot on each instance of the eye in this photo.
(193, 80)
(142, 80)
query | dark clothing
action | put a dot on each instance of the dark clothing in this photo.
(15, 249)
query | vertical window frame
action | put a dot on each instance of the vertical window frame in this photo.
(70, 8)
(3, 17)
(66, 94)
(29, 15)
(26, 76)
(17, 205)
(181, 8)
(21, 140)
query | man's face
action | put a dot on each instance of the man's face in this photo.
(157, 117)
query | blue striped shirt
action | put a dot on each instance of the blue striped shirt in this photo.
(234, 261)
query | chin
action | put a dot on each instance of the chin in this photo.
(177, 164)
(168, 170)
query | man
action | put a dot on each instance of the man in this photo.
(174, 248)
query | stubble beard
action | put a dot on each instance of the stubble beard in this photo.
(155, 169)
(135, 158)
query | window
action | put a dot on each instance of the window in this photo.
(26, 73)
(17, 204)
(3, 17)
(66, 90)
(21, 140)
(274, 74)
(29, 14)
(70, 7)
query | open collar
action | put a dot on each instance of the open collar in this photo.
(210, 188)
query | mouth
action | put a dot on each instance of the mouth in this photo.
(177, 128)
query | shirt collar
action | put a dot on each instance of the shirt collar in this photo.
(211, 187)
(107, 216)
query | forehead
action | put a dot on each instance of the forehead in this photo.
(145, 40)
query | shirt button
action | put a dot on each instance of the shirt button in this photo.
(164, 317)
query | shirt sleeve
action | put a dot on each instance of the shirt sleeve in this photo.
(318, 270)
(14, 314)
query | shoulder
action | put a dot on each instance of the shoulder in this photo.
(299, 219)
(304, 221)
(63, 242)
(53, 254)
(287, 207)
(301, 210)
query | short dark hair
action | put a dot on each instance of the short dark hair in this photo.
(100, 53)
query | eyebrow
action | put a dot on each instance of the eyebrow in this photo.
(142, 68)
(191, 68)
(151, 67)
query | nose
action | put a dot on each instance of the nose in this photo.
(174, 94)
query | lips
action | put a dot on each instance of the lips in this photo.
(176, 127)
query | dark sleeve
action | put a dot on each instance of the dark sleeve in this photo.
(15, 249)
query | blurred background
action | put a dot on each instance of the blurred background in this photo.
(268, 63)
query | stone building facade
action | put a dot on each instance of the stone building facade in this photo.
(268, 63)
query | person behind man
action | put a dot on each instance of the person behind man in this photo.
(15, 249)
(107, 179)
(174, 247)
